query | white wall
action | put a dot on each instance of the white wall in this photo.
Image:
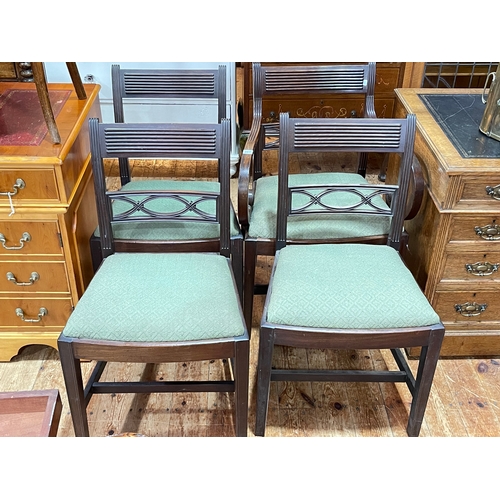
(153, 110)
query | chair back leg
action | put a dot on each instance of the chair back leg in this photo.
(250, 256)
(237, 264)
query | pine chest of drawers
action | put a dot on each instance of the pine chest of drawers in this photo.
(454, 241)
(47, 215)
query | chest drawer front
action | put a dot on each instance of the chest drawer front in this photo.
(29, 238)
(485, 191)
(476, 228)
(23, 312)
(472, 266)
(28, 185)
(477, 310)
(33, 277)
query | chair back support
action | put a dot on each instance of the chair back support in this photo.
(168, 83)
(178, 84)
(166, 141)
(363, 135)
(314, 79)
(272, 81)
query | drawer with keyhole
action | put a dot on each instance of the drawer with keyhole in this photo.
(483, 267)
(472, 310)
(483, 229)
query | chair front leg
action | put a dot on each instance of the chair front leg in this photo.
(427, 364)
(73, 380)
(242, 359)
(264, 365)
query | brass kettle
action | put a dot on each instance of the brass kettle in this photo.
(490, 124)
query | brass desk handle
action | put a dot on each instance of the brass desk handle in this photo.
(34, 277)
(494, 192)
(41, 313)
(481, 268)
(470, 309)
(488, 232)
(26, 237)
(20, 184)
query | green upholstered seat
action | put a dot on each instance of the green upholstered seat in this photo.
(328, 226)
(158, 297)
(166, 230)
(346, 286)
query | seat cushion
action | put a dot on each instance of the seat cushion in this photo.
(144, 297)
(166, 230)
(346, 286)
(324, 226)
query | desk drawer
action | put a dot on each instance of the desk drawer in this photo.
(484, 191)
(476, 228)
(34, 313)
(29, 238)
(483, 308)
(28, 185)
(472, 266)
(33, 277)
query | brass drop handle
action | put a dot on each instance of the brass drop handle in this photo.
(20, 184)
(488, 232)
(482, 268)
(470, 309)
(41, 313)
(26, 237)
(34, 277)
(494, 191)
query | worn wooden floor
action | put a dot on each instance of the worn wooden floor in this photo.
(465, 399)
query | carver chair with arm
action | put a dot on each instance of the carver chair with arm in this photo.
(144, 307)
(346, 295)
(258, 194)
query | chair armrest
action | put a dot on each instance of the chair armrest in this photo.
(245, 176)
(416, 190)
